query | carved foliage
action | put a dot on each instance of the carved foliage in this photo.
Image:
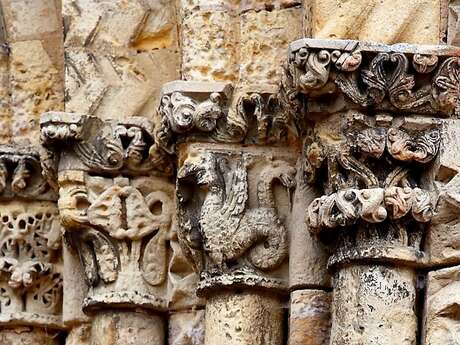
(193, 112)
(101, 146)
(120, 227)
(388, 78)
(21, 174)
(231, 235)
(30, 270)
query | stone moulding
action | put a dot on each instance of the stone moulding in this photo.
(405, 78)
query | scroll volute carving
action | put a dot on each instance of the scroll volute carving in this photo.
(375, 176)
(117, 213)
(215, 113)
(400, 78)
(229, 216)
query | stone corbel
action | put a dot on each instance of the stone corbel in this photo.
(31, 277)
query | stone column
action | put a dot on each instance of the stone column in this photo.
(232, 201)
(117, 215)
(375, 132)
(30, 251)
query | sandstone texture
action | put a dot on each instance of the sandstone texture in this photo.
(442, 300)
(229, 172)
(310, 317)
(388, 21)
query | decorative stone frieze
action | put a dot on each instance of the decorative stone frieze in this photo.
(374, 124)
(116, 213)
(31, 279)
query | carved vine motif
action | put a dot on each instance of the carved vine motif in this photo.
(345, 170)
(223, 227)
(30, 274)
(120, 228)
(387, 78)
(371, 169)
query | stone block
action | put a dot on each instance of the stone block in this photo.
(386, 21)
(442, 312)
(36, 86)
(209, 46)
(27, 20)
(264, 38)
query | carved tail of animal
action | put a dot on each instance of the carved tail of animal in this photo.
(272, 252)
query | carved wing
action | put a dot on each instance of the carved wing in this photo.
(237, 193)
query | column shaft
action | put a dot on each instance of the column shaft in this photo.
(249, 318)
(127, 328)
(374, 304)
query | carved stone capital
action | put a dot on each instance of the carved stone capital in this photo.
(356, 75)
(117, 213)
(232, 216)
(374, 173)
(215, 113)
(84, 142)
(30, 243)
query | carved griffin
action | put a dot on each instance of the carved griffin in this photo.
(224, 227)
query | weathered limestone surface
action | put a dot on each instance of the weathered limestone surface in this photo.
(374, 305)
(127, 328)
(264, 37)
(442, 314)
(244, 319)
(186, 328)
(443, 233)
(34, 35)
(386, 21)
(28, 336)
(209, 45)
(118, 54)
(309, 317)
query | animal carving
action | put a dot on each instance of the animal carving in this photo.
(228, 230)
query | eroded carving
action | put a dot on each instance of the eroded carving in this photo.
(116, 212)
(30, 264)
(232, 236)
(390, 78)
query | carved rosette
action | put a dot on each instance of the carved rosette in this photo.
(352, 74)
(116, 213)
(30, 243)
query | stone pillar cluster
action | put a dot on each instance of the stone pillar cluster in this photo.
(197, 172)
